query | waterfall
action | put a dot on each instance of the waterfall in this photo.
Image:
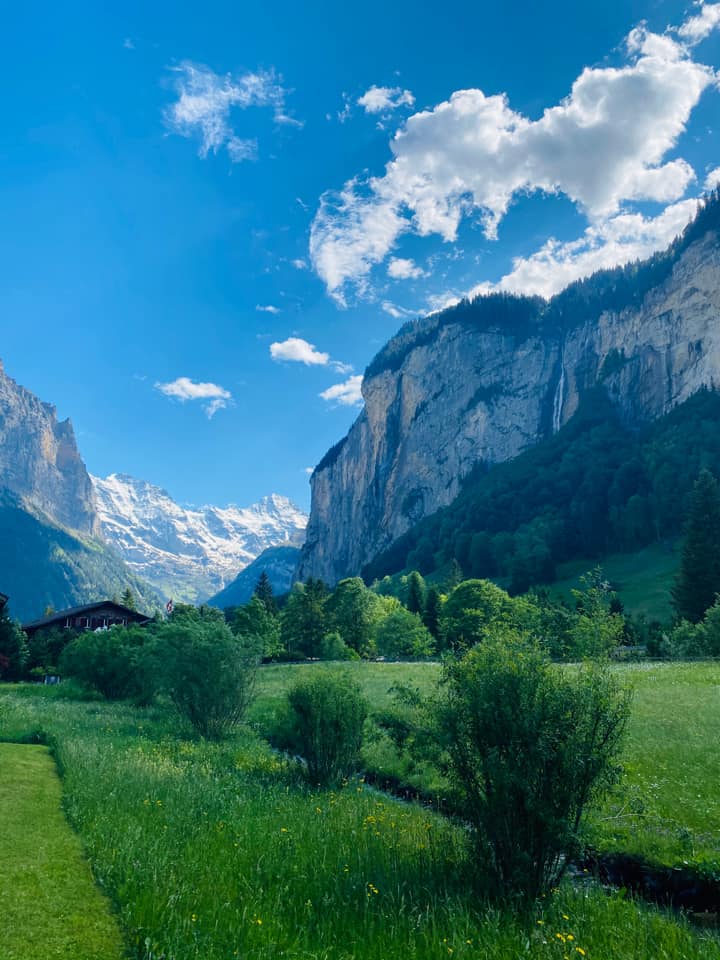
(559, 395)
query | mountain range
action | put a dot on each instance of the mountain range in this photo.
(190, 553)
(67, 538)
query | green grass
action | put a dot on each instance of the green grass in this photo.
(219, 851)
(643, 580)
(51, 908)
(667, 809)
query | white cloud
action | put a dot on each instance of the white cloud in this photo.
(697, 28)
(309, 470)
(385, 99)
(394, 310)
(128, 43)
(401, 269)
(712, 180)
(616, 240)
(603, 146)
(215, 397)
(298, 350)
(269, 308)
(299, 264)
(348, 394)
(206, 99)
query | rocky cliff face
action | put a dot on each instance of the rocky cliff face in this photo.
(40, 461)
(190, 553)
(465, 386)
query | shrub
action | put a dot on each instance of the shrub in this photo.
(327, 713)
(104, 661)
(207, 672)
(529, 747)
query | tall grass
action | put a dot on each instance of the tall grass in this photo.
(219, 851)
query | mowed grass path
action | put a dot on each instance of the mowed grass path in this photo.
(51, 908)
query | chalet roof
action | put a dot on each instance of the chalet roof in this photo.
(84, 610)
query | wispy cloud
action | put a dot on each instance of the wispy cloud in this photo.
(347, 394)
(206, 99)
(385, 99)
(212, 396)
(268, 308)
(472, 154)
(698, 28)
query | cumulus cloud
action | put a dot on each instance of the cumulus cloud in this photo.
(298, 350)
(698, 28)
(268, 308)
(348, 394)
(602, 146)
(206, 99)
(400, 268)
(385, 99)
(712, 180)
(214, 397)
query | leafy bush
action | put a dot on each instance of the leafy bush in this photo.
(106, 661)
(327, 713)
(207, 672)
(529, 747)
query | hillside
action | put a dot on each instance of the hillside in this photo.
(277, 562)
(45, 565)
(477, 385)
(597, 487)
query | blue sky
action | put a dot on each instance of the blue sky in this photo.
(212, 217)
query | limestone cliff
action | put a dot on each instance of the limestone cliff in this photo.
(40, 461)
(483, 381)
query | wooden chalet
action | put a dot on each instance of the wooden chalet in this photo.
(91, 616)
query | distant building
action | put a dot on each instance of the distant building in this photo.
(92, 616)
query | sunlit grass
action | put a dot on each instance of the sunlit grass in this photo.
(51, 910)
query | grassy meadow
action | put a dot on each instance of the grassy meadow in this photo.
(216, 851)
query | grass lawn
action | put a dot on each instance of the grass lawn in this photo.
(51, 908)
(216, 851)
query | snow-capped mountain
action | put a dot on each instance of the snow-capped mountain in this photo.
(186, 552)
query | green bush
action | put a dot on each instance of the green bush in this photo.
(207, 672)
(529, 747)
(327, 714)
(104, 661)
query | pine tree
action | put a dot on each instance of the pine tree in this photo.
(128, 599)
(431, 613)
(698, 581)
(416, 593)
(264, 593)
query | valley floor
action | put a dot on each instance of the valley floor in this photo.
(216, 851)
